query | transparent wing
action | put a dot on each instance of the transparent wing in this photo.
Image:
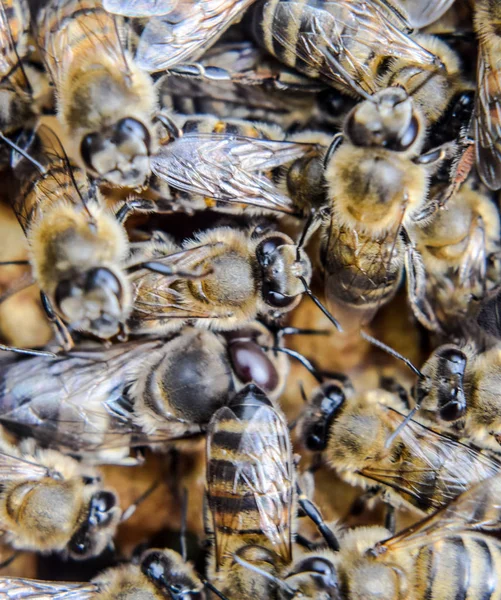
(65, 30)
(55, 179)
(227, 168)
(147, 8)
(362, 273)
(79, 401)
(14, 29)
(251, 486)
(440, 469)
(478, 508)
(16, 467)
(14, 588)
(329, 39)
(487, 122)
(424, 12)
(184, 34)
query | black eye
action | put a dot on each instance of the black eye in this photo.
(316, 438)
(91, 144)
(452, 411)
(407, 138)
(156, 567)
(103, 278)
(251, 364)
(65, 289)
(274, 298)
(317, 565)
(456, 361)
(266, 248)
(100, 509)
(81, 543)
(130, 128)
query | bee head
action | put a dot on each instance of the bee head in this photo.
(281, 265)
(119, 153)
(95, 533)
(443, 389)
(92, 301)
(167, 571)
(389, 121)
(325, 405)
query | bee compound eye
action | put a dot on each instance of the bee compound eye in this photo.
(81, 544)
(102, 277)
(267, 247)
(274, 298)
(452, 411)
(409, 136)
(91, 144)
(129, 128)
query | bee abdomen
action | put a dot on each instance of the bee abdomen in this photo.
(459, 568)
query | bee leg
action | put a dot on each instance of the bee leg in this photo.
(416, 286)
(134, 205)
(390, 521)
(359, 504)
(10, 560)
(311, 511)
(60, 328)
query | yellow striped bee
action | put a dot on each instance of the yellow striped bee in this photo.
(447, 555)
(50, 502)
(250, 493)
(160, 575)
(105, 102)
(370, 442)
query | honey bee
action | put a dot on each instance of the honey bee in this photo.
(160, 575)
(98, 403)
(487, 18)
(224, 164)
(360, 48)
(250, 493)
(105, 102)
(428, 559)
(249, 273)
(51, 502)
(370, 443)
(377, 184)
(178, 32)
(457, 247)
(77, 248)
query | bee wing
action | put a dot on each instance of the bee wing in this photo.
(185, 34)
(146, 8)
(437, 460)
(322, 40)
(371, 261)
(256, 477)
(46, 149)
(57, 29)
(487, 122)
(424, 12)
(476, 509)
(14, 29)
(78, 401)
(30, 589)
(16, 467)
(227, 168)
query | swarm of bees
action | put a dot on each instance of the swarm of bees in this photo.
(250, 299)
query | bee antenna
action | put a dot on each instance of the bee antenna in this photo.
(214, 589)
(299, 357)
(392, 352)
(184, 518)
(398, 430)
(309, 293)
(279, 582)
(131, 509)
(42, 170)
